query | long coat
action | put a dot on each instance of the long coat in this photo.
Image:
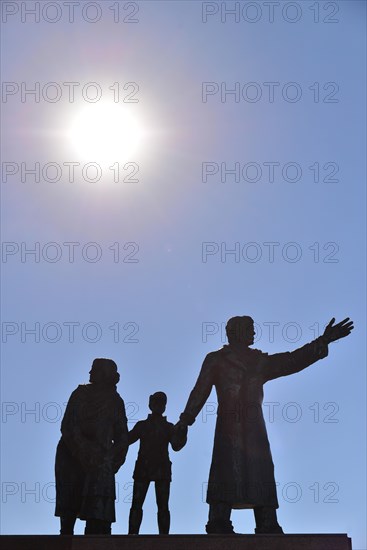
(242, 470)
(92, 448)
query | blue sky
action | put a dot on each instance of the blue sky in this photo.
(171, 282)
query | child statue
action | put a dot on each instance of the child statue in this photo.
(153, 463)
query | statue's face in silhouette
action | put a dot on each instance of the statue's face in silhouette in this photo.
(241, 330)
(249, 334)
(104, 371)
(246, 334)
(157, 402)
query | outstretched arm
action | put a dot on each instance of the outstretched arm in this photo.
(338, 331)
(283, 364)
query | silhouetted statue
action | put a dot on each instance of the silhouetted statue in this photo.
(242, 470)
(92, 448)
(153, 463)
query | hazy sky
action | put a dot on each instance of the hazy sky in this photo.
(236, 136)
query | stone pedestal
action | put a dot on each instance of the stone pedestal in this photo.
(176, 542)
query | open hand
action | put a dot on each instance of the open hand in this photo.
(340, 330)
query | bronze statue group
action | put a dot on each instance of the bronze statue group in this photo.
(95, 438)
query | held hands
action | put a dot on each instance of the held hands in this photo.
(340, 330)
(179, 436)
(181, 427)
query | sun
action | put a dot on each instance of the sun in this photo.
(105, 133)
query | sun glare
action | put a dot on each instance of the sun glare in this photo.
(105, 133)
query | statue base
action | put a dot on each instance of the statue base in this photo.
(176, 542)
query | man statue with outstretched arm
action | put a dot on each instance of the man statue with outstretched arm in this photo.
(242, 470)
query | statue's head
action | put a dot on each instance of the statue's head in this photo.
(158, 402)
(240, 330)
(104, 372)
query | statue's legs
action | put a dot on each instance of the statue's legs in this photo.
(162, 489)
(219, 519)
(67, 525)
(97, 527)
(266, 520)
(136, 511)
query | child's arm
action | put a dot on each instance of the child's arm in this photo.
(135, 433)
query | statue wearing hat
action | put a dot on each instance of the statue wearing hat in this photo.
(93, 446)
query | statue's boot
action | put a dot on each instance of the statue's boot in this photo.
(219, 521)
(266, 521)
(164, 520)
(105, 528)
(67, 525)
(97, 527)
(219, 527)
(135, 518)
